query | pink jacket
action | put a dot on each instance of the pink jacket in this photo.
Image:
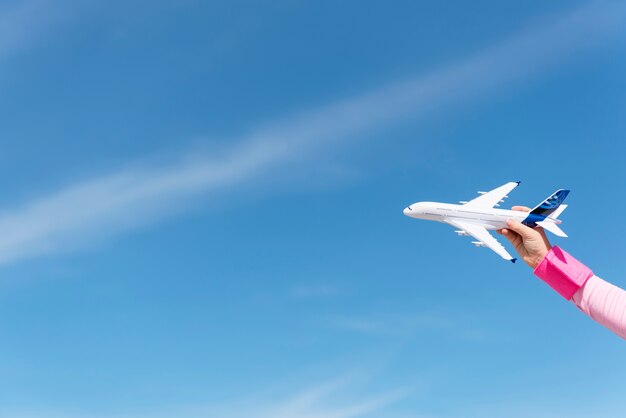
(602, 301)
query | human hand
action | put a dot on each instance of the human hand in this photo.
(531, 244)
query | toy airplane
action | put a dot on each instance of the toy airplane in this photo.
(475, 217)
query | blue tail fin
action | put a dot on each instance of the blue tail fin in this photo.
(546, 208)
(551, 204)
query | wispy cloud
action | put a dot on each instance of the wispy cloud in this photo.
(322, 400)
(79, 213)
(392, 324)
(407, 325)
(334, 399)
(23, 22)
(314, 291)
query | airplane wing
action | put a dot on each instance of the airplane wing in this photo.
(492, 198)
(484, 238)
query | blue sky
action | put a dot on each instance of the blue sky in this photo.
(202, 207)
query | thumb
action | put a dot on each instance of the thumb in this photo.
(523, 230)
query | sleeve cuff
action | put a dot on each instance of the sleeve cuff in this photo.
(562, 272)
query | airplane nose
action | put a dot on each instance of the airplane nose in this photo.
(407, 211)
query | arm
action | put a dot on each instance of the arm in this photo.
(602, 301)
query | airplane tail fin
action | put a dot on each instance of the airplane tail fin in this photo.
(551, 207)
(557, 212)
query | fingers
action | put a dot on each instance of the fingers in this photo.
(508, 234)
(537, 228)
(524, 231)
(513, 237)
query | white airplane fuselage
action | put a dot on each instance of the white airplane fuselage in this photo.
(491, 218)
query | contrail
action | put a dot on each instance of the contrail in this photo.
(80, 213)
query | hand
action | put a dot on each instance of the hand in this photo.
(531, 244)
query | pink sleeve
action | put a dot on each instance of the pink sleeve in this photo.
(602, 301)
(562, 272)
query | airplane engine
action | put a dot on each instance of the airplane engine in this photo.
(462, 233)
(479, 244)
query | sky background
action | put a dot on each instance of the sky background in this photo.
(201, 207)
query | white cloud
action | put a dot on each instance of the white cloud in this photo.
(335, 399)
(393, 324)
(23, 22)
(322, 400)
(80, 213)
(314, 291)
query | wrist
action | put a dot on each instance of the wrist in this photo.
(541, 255)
